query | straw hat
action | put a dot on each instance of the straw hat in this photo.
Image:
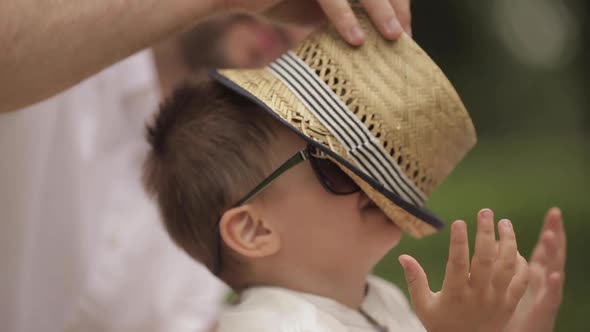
(384, 112)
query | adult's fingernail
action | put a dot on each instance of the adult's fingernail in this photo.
(356, 34)
(393, 27)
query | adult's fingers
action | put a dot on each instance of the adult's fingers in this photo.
(249, 5)
(298, 13)
(384, 17)
(416, 280)
(382, 12)
(340, 14)
(296, 19)
(403, 14)
(457, 270)
(485, 250)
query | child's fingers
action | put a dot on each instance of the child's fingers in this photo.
(554, 223)
(522, 264)
(539, 255)
(484, 256)
(457, 271)
(554, 290)
(552, 259)
(550, 251)
(546, 301)
(553, 220)
(536, 278)
(505, 266)
(416, 280)
(518, 285)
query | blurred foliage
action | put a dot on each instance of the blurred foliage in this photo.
(534, 142)
(503, 94)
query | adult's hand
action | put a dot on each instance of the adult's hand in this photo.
(391, 17)
(52, 46)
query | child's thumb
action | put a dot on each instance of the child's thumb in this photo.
(416, 280)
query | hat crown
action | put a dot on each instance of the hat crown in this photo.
(400, 96)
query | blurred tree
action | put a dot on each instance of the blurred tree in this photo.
(504, 93)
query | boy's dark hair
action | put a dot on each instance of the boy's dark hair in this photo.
(207, 149)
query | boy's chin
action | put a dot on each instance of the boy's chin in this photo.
(381, 247)
(384, 235)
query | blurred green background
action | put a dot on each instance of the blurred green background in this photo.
(521, 68)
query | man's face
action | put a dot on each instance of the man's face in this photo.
(321, 231)
(249, 43)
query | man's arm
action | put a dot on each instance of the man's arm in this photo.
(48, 46)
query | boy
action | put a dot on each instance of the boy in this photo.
(293, 181)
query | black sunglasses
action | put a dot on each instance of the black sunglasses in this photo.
(332, 178)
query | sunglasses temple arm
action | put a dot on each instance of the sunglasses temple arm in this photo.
(296, 159)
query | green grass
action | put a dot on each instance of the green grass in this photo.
(519, 178)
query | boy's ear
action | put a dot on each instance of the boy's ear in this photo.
(242, 229)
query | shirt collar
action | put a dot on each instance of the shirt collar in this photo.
(344, 314)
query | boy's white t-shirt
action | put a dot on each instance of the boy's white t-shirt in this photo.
(274, 309)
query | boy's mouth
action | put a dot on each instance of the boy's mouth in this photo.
(371, 204)
(365, 202)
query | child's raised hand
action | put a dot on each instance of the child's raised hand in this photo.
(480, 296)
(538, 308)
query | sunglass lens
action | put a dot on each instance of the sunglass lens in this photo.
(333, 178)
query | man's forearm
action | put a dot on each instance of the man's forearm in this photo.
(48, 46)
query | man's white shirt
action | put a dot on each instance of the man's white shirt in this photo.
(81, 246)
